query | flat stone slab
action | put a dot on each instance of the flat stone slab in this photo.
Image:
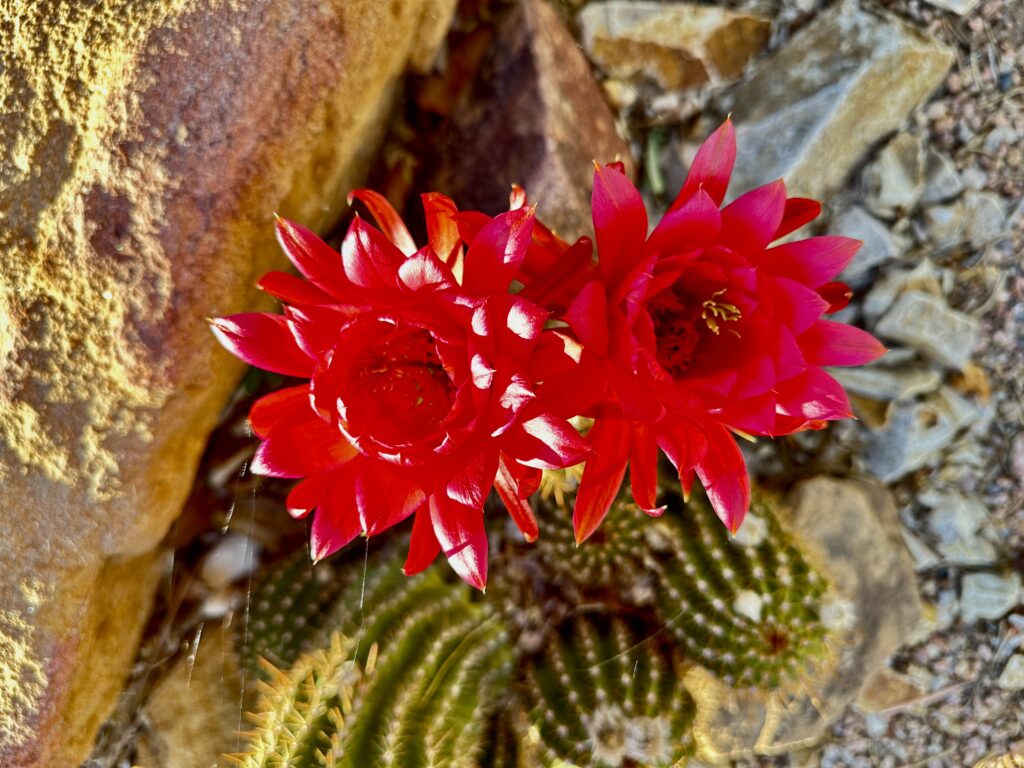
(675, 45)
(814, 107)
(926, 323)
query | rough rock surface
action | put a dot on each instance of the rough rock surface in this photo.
(149, 145)
(926, 323)
(858, 546)
(676, 45)
(536, 99)
(812, 109)
(193, 711)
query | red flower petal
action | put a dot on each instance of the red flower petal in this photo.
(750, 221)
(723, 473)
(513, 492)
(335, 522)
(370, 259)
(497, 252)
(316, 328)
(548, 442)
(473, 482)
(311, 256)
(712, 167)
(425, 270)
(697, 223)
(753, 415)
(808, 399)
(620, 223)
(829, 343)
(552, 272)
(302, 446)
(570, 378)
(384, 496)
(796, 305)
(307, 495)
(283, 405)
(799, 211)
(460, 531)
(602, 475)
(837, 295)
(588, 317)
(643, 471)
(387, 219)
(684, 446)
(423, 545)
(442, 229)
(264, 341)
(812, 262)
(294, 290)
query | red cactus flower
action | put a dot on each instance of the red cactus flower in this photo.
(428, 383)
(707, 330)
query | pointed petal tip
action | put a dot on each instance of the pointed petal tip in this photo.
(656, 512)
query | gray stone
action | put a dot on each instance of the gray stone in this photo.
(234, 556)
(926, 323)
(986, 218)
(955, 520)
(818, 103)
(880, 244)
(974, 178)
(945, 226)
(954, 516)
(924, 556)
(988, 596)
(893, 183)
(999, 137)
(959, 7)
(1012, 676)
(885, 291)
(942, 180)
(916, 433)
(676, 45)
(878, 383)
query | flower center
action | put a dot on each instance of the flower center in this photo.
(682, 325)
(407, 392)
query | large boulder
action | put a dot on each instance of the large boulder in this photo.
(147, 146)
(535, 116)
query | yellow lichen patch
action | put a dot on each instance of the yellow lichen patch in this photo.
(68, 352)
(23, 679)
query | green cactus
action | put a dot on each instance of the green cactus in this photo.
(602, 690)
(300, 711)
(411, 673)
(574, 656)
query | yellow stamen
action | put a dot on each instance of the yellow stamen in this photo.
(714, 312)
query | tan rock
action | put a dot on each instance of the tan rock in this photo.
(535, 98)
(814, 107)
(887, 689)
(677, 45)
(150, 144)
(850, 531)
(193, 711)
